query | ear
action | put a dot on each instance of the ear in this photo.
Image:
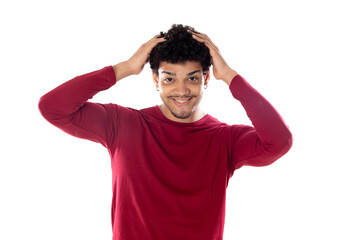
(207, 77)
(155, 79)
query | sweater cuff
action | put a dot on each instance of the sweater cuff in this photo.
(111, 74)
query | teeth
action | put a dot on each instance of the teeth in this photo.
(182, 101)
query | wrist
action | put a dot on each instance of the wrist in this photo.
(122, 70)
(229, 76)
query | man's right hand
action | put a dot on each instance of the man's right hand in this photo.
(136, 63)
(141, 56)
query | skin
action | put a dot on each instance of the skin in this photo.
(221, 69)
(181, 88)
(180, 85)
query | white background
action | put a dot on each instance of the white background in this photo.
(303, 56)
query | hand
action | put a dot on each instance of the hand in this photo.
(221, 69)
(137, 62)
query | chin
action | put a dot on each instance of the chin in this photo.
(181, 115)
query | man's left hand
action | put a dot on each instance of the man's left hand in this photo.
(221, 69)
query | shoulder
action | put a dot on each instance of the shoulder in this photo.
(238, 130)
(128, 113)
(230, 127)
(121, 114)
(115, 108)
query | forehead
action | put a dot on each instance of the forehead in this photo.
(179, 68)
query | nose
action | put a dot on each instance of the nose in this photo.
(182, 88)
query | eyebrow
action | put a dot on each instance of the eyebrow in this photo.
(174, 74)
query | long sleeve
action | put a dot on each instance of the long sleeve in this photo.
(268, 139)
(67, 106)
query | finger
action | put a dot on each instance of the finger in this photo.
(200, 36)
(204, 39)
(159, 38)
(155, 40)
(196, 34)
(193, 31)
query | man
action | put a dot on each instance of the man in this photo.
(171, 163)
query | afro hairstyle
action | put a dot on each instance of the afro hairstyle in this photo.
(179, 47)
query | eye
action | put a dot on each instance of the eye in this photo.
(193, 79)
(167, 80)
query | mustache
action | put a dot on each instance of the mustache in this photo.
(181, 96)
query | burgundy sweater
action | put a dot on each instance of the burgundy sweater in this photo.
(169, 179)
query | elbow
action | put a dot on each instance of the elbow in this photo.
(42, 106)
(284, 145)
(276, 151)
(288, 142)
(269, 152)
(45, 108)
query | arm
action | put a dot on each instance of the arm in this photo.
(67, 106)
(270, 138)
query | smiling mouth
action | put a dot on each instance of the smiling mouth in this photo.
(181, 101)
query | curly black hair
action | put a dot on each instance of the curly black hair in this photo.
(179, 47)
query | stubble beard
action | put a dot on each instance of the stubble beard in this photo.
(183, 114)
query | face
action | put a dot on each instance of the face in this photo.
(181, 88)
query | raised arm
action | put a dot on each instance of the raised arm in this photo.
(67, 106)
(269, 138)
